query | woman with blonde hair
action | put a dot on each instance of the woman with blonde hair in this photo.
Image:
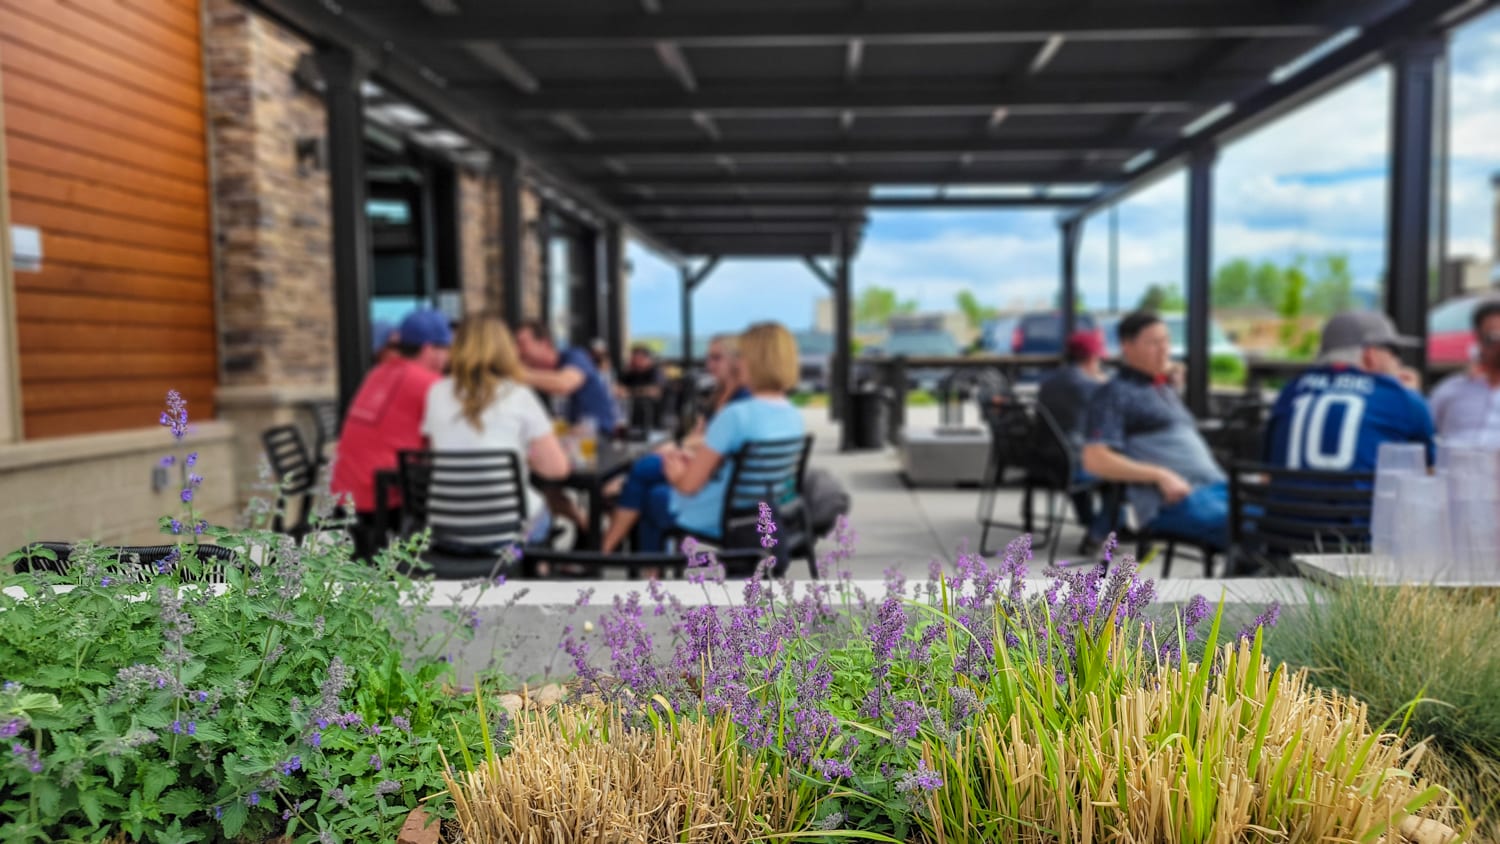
(689, 490)
(483, 405)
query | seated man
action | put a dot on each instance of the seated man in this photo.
(642, 375)
(1065, 394)
(569, 373)
(1138, 432)
(386, 417)
(1334, 416)
(1467, 404)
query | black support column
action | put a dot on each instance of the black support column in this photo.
(511, 258)
(1070, 235)
(342, 73)
(1418, 127)
(690, 282)
(1200, 229)
(843, 337)
(614, 294)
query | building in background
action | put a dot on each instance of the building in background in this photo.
(166, 186)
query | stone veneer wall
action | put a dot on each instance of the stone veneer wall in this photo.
(275, 273)
(479, 241)
(533, 278)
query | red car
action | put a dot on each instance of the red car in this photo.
(1450, 330)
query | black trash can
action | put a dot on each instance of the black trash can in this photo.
(866, 422)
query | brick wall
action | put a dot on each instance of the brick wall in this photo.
(533, 278)
(275, 257)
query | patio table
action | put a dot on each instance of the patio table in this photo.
(612, 459)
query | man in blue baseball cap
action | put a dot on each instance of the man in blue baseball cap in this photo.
(386, 416)
(382, 341)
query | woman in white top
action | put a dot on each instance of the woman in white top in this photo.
(482, 405)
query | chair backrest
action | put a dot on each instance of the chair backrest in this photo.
(326, 422)
(1053, 456)
(769, 471)
(1012, 423)
(1276, 512)
(472, 500)
(130, 563)
(289, 458)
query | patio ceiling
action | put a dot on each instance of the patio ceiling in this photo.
(760, 127)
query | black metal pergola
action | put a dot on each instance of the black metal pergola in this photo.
(727, 129)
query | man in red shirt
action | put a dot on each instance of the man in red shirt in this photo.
(386, 416)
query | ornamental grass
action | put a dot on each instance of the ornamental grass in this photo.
(584, 775)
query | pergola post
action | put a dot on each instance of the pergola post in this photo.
(1418, 122)
(1200, 228)
(342, 73)
(690, 282)
(614, 293)
(843, 338)
(1070, 234)
(512, 261)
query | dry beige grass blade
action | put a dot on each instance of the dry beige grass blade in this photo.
(581, 776)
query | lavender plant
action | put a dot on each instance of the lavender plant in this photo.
(847, 690)
(151, 703)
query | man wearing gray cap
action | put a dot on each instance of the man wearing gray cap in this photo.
(1334, 416)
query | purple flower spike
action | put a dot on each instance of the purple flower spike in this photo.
(175, 417)
(766, 527)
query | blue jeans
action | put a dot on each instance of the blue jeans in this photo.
(1202, 517)
(647, 492)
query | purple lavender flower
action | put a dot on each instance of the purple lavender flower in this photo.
(766, 526)
(833, 769)
(175, 417)
(922, 778)
(200, 527)
(387, 787)
(12, 728)
(290, 766)
(401, 723)
(176, 526)
(192, 459)
(375, 761)
(105, 581)
(252, 799)
(168, 461)
(187, 495)
(1266, 620)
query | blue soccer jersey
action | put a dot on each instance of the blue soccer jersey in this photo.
(1334, 418)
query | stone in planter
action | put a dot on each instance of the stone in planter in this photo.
(417, 830)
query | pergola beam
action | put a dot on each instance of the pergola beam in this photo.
(1278, 98)
(756, 149)
(1035, 21)
(1091, 94)
(834, 179)
(647, 208)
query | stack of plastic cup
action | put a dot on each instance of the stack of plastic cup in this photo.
(1472, 473)
(1421, 547)
(1394, 462)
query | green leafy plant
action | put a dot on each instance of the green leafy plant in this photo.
(150, 702)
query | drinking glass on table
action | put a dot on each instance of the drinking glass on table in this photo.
(588, 440)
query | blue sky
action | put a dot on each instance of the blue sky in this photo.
(1314, 181)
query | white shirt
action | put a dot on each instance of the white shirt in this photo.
(511, 422)
(1466, 406)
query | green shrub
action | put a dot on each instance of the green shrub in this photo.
(164, 708)
(1227, 370)
(1440, 648)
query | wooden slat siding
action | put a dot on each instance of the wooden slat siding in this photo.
(107, 156)
(143, 288)
(74, 75)
(178, 72)
(37, 36)
(68, 309)
(40, 92)
(81, 192)
(121, 392)
(74, 134)
(108, 228)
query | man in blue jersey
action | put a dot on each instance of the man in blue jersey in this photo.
(1334, 416)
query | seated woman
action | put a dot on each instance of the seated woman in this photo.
(685, 487)
(483, 406)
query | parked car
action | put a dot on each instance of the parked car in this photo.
(1041, 332)
(1450, 330)
(920, 344)
(814, 361)
(1219, 344)
(994, 336)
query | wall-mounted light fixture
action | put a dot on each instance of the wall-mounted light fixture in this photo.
(312, 154)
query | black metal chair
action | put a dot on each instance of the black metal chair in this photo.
(326, 424)
(1146, 538)
(296, 475)
(1242, 436)
(1029, 452)
(131, 563)
(1276, 513)
(474, 502)
(770, 471)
